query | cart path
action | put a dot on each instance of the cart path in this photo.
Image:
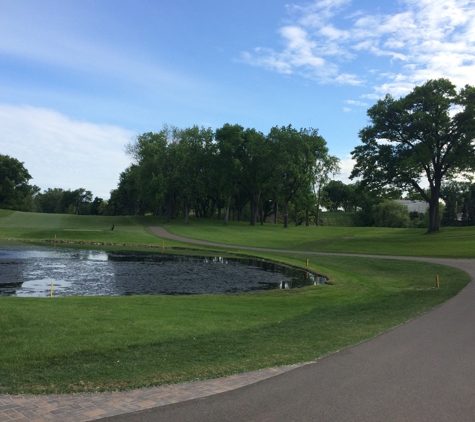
(467, 265)
(422, 370)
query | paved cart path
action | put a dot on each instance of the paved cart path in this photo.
(421, 371)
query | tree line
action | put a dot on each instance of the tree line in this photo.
(426, 138)
(16, 193)
(232, 172)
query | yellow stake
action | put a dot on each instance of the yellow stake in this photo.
(51, 292)
(306, 262)
(437, 284)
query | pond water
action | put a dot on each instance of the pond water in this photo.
(29, 272)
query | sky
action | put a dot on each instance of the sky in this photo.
(81, 79)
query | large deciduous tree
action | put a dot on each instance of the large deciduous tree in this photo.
(428, 136)
(14, 187)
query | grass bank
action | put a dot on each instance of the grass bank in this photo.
(70, 344)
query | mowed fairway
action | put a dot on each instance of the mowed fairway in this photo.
(105, 343)
(450, 242)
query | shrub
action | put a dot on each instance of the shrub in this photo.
(390, 214)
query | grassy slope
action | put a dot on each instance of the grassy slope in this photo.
(89, 343)
(449, 242)
(85, 228)
(337, 219)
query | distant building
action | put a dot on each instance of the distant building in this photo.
(411, 206)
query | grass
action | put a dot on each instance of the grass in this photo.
(71, 344)
(337, 219)
(450, 242)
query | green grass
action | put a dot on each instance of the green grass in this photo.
(450, 242)
(337, 219)
(100, 343)
(70, 344)
(80, 228)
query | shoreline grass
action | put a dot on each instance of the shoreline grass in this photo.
(75, 344)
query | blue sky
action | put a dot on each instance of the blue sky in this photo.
(79, 79)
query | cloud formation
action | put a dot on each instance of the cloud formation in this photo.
(63, 153)
(424, 39)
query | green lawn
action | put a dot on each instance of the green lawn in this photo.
(70, 344)
(337, 219)
(450, 242)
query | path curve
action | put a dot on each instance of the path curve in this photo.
(421, 371)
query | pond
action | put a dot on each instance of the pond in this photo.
(29, 272)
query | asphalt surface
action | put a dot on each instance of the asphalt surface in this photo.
(423, 370)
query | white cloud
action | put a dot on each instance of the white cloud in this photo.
(346, 167)
(63, 153)
(356, 103)
(427, 39)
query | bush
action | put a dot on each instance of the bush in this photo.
(390, 214)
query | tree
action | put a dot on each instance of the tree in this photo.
(257, 163)
(50, 200)
(297, 155)
(97, 206)
(324, 167)
(79, 199)
(228, 167)
(390, 214)
(337, 195)
(149, 153)
(426, 136)
(454, 194)
(14, 187)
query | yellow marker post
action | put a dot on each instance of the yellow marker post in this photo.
(437, 283)
(306, 262)
(51, 292)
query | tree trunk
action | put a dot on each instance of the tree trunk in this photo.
(226, 216)
(434, 223)
(169, 208)
(253, 212)
(317, 217)
(286, 214)
(307, 217)
(276, 211)
(187, 213)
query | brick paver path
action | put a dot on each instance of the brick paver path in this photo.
(90, 406)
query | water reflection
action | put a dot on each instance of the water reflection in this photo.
(30, 272)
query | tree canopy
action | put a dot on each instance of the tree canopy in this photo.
(15, 191)
(426, 137)
(231, 169)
